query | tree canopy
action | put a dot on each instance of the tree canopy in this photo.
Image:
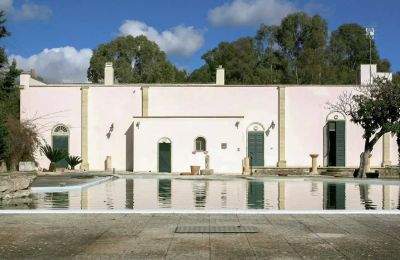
(297, 51)
(135, 59)
(376, 108)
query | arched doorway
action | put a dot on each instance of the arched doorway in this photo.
(164, 155)
(255, 144)
(335, 140)
(60, 140)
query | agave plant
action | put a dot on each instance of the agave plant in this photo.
(54, 155)
(73, 161)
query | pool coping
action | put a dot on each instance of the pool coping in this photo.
(69, 188)
(207, 211)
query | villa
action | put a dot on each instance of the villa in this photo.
(170, 127)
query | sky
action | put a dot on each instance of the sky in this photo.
(56, 38)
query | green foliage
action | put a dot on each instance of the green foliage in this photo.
(22, 140)
(239, 58)
(54, 155)
(201, 75)
(73, 161)
(348, 48)
(135, 59)
(376, 108)
(297, 51)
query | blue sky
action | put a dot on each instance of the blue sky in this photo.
(185, 29)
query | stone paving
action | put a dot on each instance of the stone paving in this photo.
(139, 236)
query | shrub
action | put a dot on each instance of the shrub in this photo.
(73, 161)
(54, 155)
(22, 140)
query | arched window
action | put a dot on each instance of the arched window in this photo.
(60, 141)
(60, 130)
(200, 144)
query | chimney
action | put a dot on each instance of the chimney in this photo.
(24, 80)
(109, 74)
(220, 77)
(367, 74)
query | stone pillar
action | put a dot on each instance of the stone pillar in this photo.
(314, 169)
(84, 199)
(281, 195)
(108, 164)
(207, 162)
(386, 150)
(281, 130)
(386, 197)
(84, 128)
(246, 166)
(145, 101)
(369, 163)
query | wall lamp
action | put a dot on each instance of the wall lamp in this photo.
(137, 124)
(272, 126)
(110, 131)
(237, 124)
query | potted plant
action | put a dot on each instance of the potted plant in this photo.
(73, 161)
(54, 155)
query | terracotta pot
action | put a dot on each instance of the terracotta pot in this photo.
(195, 170)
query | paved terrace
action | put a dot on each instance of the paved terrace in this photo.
(138, 236)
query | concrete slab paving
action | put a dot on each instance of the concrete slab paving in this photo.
(152, 236)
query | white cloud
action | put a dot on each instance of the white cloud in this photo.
(6, 5)
(180, 41)
(58, 65)
(250, 12)
(28, 10)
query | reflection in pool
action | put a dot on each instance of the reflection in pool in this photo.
(231, 193)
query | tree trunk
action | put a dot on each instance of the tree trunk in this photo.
(364, 156)
(52, 167)
(398, 147)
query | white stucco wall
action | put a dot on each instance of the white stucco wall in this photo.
(256, 104)
(305, 118)
(306, 112)
(182, 132)
(49, 106)
(112, 105)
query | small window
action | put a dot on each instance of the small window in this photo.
(200, 144)
(224, 145)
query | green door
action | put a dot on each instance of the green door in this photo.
(335, 143)
(256, 148)
(61, 143)
(164, 157)
(255, 195)
(341, 143)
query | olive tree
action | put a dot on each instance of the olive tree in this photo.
(376, 108)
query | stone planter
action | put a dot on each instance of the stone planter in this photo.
(373, 175)
(195, 170)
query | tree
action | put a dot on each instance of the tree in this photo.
(3, 33)
(136, 60)
(348, 48)
(73, 161)
(201, 75)
(300, 40)
(54, 155)
(376, 108)
(22, 141)
(239, 58)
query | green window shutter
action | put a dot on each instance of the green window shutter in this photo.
(61, 143)
(340, 143)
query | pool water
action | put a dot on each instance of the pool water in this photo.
(225, 193)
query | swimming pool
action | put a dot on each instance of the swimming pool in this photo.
(213, 193)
